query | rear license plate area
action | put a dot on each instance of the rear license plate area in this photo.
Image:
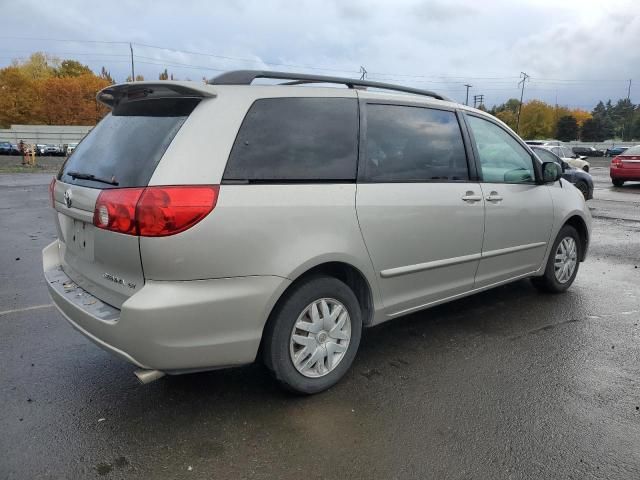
(80, 239)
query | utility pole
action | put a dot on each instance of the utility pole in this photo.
(363, 71)
(521, 82)
(629, 89)
(478, 100)
(466, 102)
(133, 71)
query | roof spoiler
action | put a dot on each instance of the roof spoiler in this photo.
(114, 95)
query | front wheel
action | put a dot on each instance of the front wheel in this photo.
(586, 168)
(617, 183)
(563, 262)
(313, 335)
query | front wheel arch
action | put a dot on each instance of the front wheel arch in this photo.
(583, 232)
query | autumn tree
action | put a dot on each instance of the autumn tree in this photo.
(567, 128)
(39, 66)
(164, 75)
(19, 97)
(537, 120)
(72, 68)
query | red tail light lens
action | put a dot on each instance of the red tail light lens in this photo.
(166, 211)
(616, 162)
(154, 211)
(52, 187)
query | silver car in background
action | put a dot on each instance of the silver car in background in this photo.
(208, 226)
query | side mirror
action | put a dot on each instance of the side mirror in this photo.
(551, 172)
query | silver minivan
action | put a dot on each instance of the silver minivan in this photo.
(209, 226)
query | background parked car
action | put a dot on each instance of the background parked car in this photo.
(566, 154)
(581, 179)
(613, 151)
(625, 167)
(70, 148)
(6, 148)
(52, 151)
(588, 151)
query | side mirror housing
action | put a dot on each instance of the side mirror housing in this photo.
(551, 172)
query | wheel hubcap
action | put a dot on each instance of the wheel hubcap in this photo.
(320, 337)
(566, 259)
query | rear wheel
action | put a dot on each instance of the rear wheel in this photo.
(313, 335)
(584, 189)
(586, 168)
(562, 265)
(617, 183)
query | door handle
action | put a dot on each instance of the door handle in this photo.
(493, 197)
(471, 197)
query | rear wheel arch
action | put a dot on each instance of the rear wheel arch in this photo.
(347, 274)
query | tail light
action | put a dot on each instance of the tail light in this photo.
(154, 211)
(616, 162)
(52, 187)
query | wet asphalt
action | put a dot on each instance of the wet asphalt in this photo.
(509, 383)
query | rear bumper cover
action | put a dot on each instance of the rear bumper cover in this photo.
(172, 326)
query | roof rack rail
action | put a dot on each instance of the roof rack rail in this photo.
(245, 77)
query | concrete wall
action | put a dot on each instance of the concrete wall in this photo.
(53, 134)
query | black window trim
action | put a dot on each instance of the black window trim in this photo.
(306, 181)
(362, 147)
(536, 166)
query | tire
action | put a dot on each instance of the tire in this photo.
(549, 282)
(280, 348)
(585, 168)
(584, 189)
(617, 183)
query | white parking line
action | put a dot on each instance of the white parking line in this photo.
(26, 309)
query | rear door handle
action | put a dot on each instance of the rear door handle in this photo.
(493, 197)
(471, 197)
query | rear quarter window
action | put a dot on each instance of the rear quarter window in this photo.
(296, 139)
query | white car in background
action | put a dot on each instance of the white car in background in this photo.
(564, 152)
(70, 148)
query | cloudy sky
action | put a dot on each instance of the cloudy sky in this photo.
(575, 51)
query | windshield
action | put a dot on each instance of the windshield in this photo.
(126, 145)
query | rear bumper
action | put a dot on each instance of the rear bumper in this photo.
(172, 326)
(624, 173)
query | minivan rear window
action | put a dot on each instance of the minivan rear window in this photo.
(124, 149)
(296, 139)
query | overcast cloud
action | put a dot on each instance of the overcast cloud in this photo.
(579, 51)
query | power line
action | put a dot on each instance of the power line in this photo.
(521, 82)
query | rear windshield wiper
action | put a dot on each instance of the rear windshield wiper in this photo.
(91, 176)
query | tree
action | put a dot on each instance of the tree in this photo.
(72, 100)
(164, 75)
(106, 75)
(39, 66)
(72, 68)
(139, 78)
(593, 130)
(18, 97)
(567, 128)
(537, 120)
